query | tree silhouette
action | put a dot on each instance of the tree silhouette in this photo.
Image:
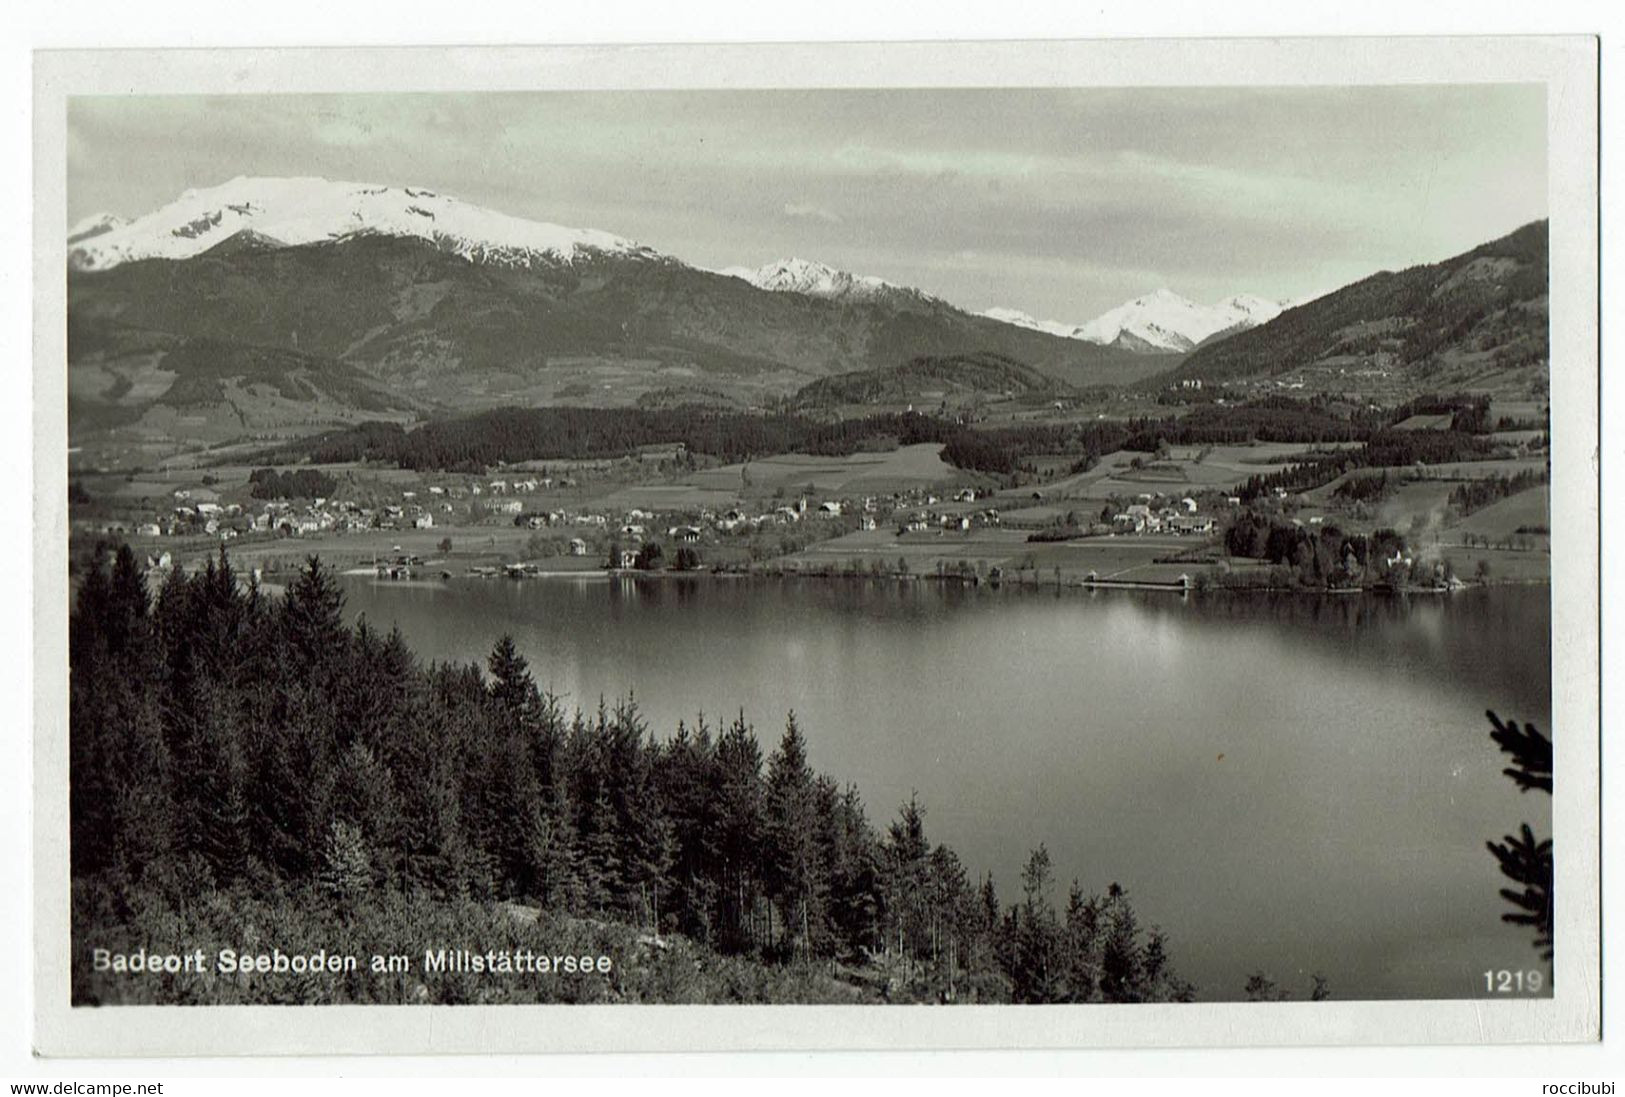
(1531, 754)
(1524, 859)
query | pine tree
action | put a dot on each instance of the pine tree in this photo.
(512, 687)
(796, 875)
(1036, 973)
(1121, 974)
(555, 874)
(1523, 858)
(905, 855)
(346, 873)
(364, 796)
(738, 793)
(313, 622)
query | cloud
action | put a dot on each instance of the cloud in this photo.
(809, 211)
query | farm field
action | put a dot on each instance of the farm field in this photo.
(1186, 469)
(669, 497)
(1425, 499)
(1504, 518)
(1425, 422)
(1510, 408)
(471, 545)
(873, 473)
(1449, 474)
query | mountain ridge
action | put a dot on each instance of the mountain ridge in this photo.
(1159, 322)
(423, 324)
(307, 210)
(1446, 322)
(815, 279)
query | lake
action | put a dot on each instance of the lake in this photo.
(1290, 783)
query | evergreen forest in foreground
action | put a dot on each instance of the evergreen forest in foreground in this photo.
(247, 771)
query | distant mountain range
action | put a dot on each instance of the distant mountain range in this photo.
(812, 279)
(425, 302)
(291, 212)
(267, 306)
(1161, 322)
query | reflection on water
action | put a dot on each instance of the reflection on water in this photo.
(1296, 784)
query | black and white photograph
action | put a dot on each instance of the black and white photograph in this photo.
(866, 544)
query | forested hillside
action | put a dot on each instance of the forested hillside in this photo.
(247, 769)
(931, 378)
(475, 442)
(1485, 307)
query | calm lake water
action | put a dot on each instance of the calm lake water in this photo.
(1287, 783)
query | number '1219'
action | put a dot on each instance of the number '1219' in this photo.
(1513, 982)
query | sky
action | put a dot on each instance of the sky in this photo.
(1058, 202)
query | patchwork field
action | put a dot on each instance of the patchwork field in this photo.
(1525, 510)
(859, 473)
(1185, 469)
(1426, 422)
(670, 497)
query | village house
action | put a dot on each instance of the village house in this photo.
(578, 547)
(688, 535)
(1138, 518)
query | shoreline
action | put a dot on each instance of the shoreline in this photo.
(1033, 584)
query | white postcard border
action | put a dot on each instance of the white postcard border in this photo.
(1566, 65)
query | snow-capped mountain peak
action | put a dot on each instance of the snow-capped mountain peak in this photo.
(814, 279)
(94, 225)
(1161, 321)
(1023, 320)
(298, 211)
